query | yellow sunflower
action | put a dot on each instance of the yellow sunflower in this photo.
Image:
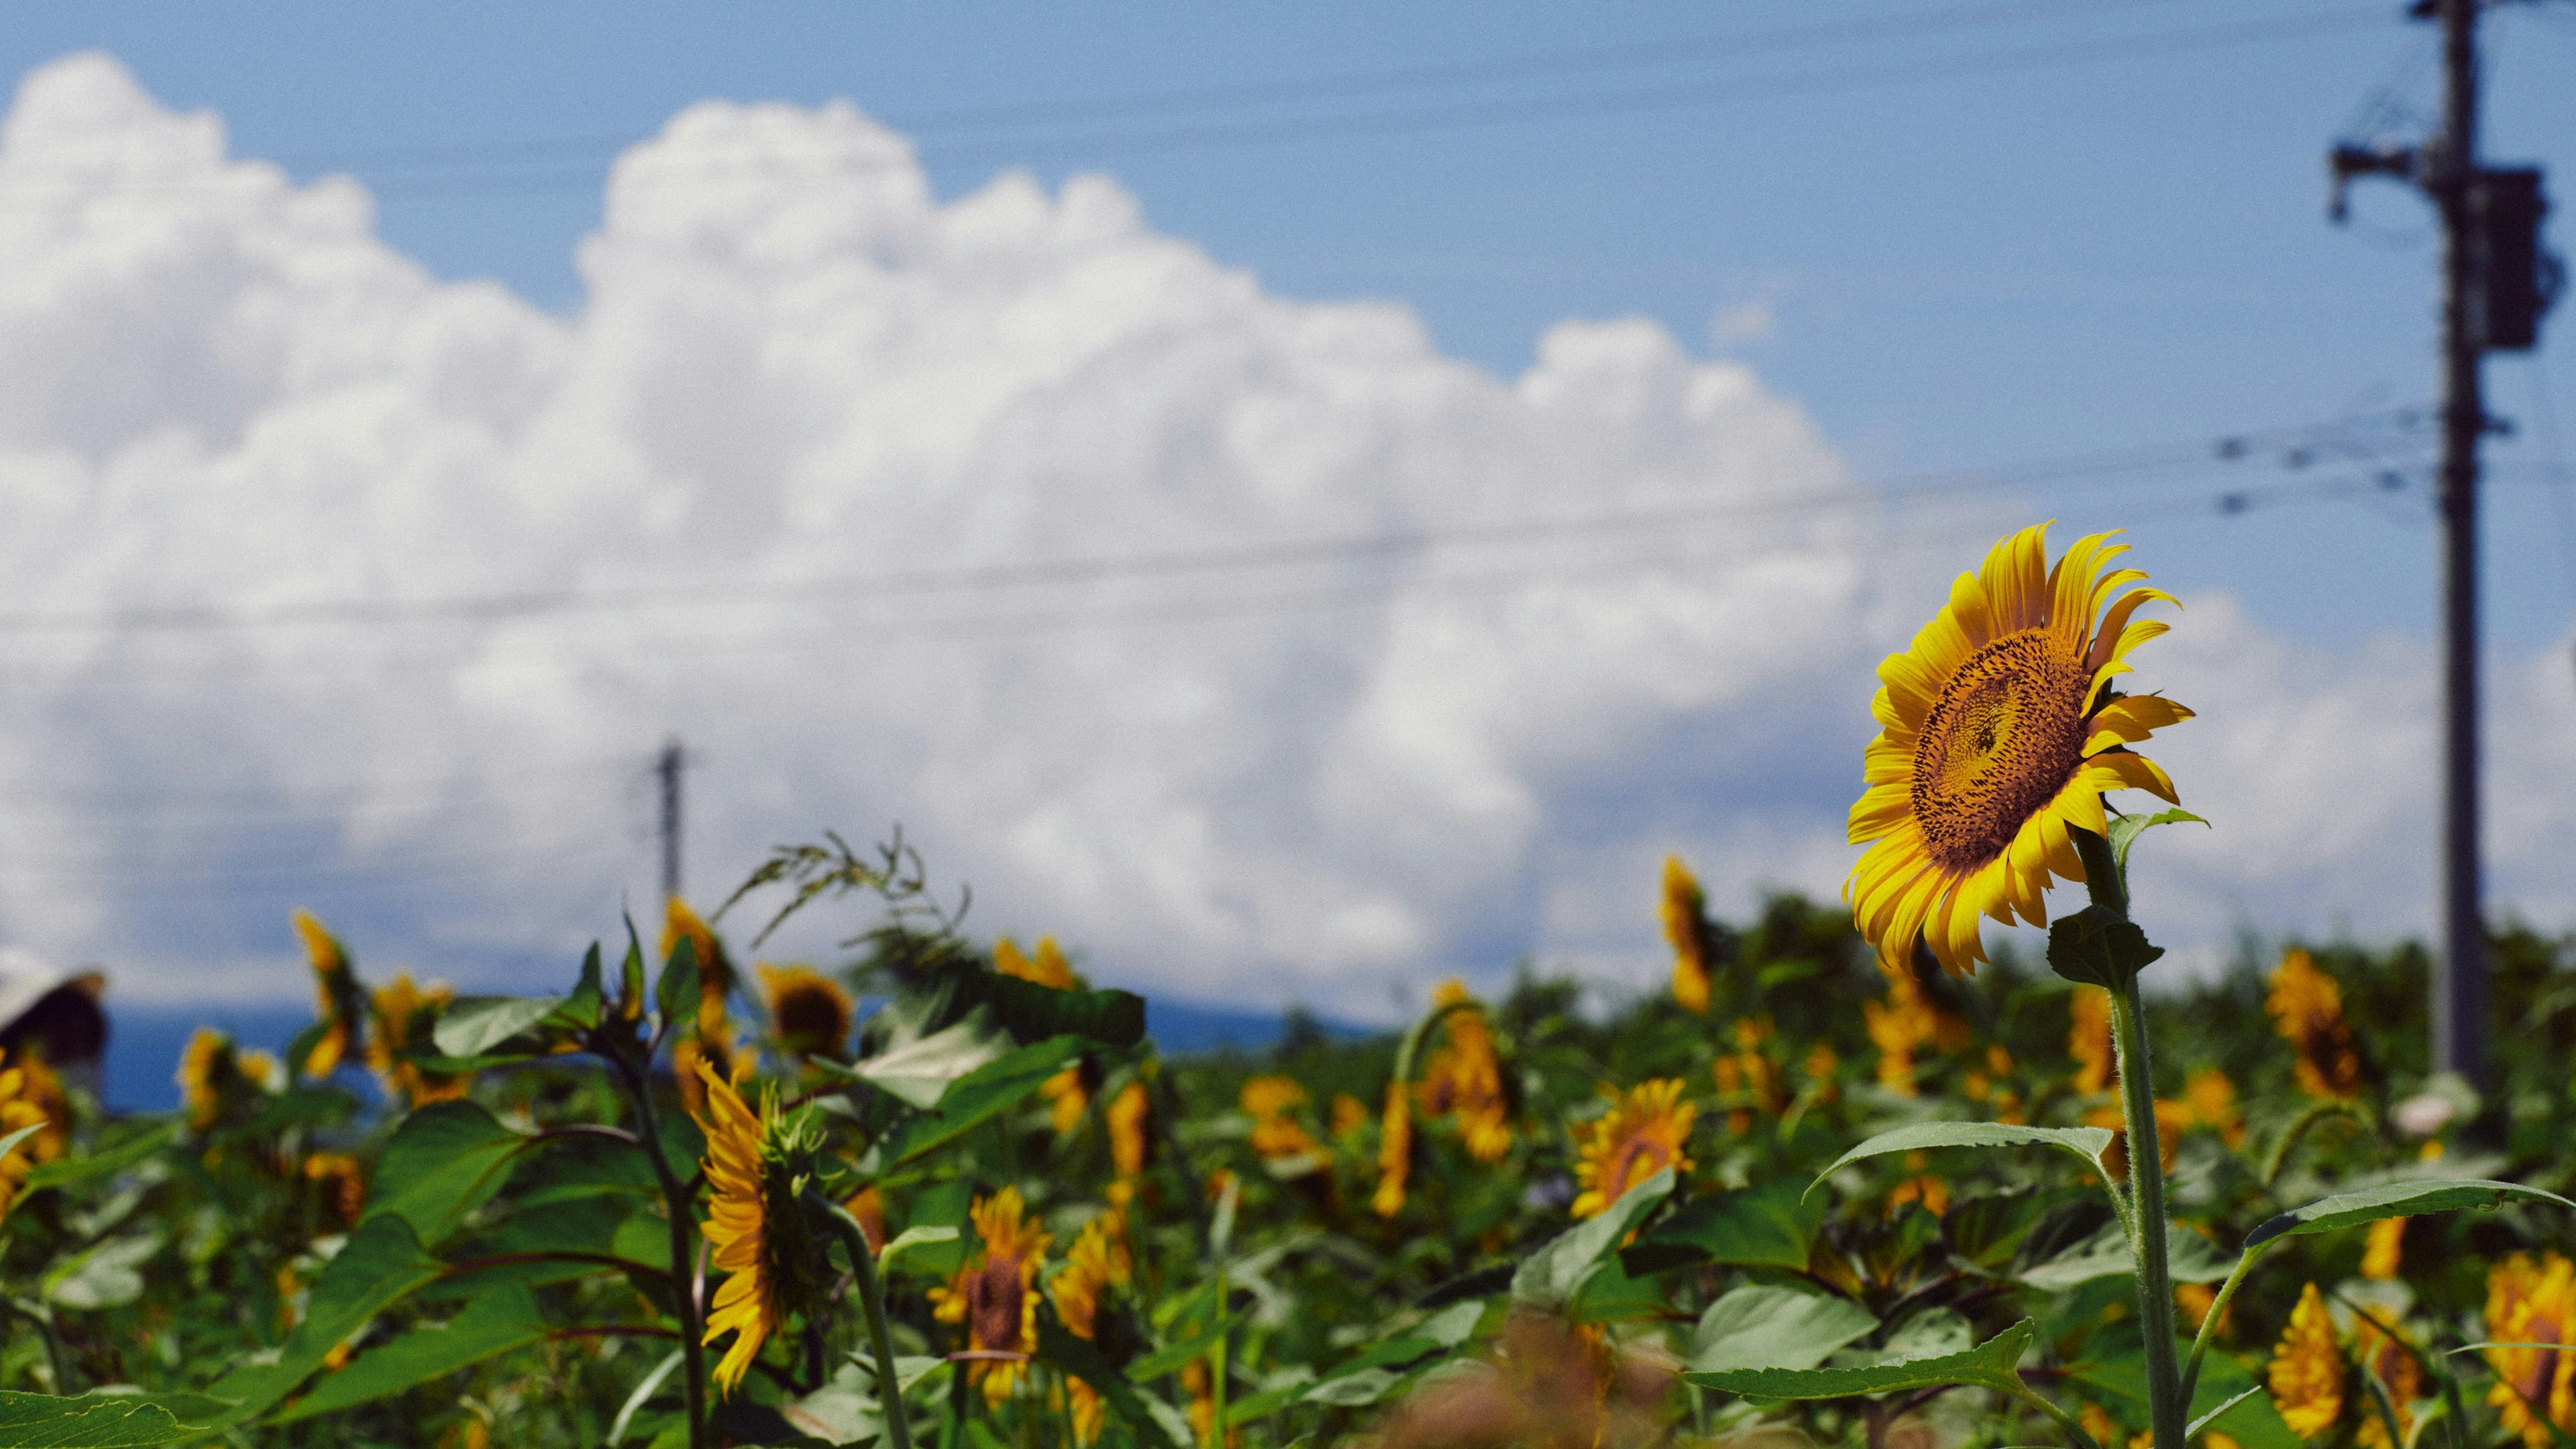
(1067, 1099)
(2385, 1248)
(1125, 1116)
(2532, 1302)
(715, 969)
(1394, 1152)
(338, 1002)
(2307, 1372)
(1047, 968)
(808, 1011)
(1097, 1262)
(756, 1164)
(995, 1295)
(30, 1096)
(1643, 1133)
(405, 1016)
(2088, 1039)
(214, 1073)
(1999, 738)
(2387, 1360)
(1683, 909)
(2306, 1007)
(1273, 1104)
(343, 1184)
(1464, 1080)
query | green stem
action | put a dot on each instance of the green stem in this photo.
(677, 1203)
(2065, 1420)
(1216, 1369)
(44, 1326)
(2209, 1320)
(863, 1264)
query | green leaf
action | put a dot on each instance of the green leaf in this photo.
(675, 995)
(495, 1322)
(2087, 1143)
(2189, 1257)
(1769, 1226)
(2396, 1200)
(103, 1276)
(1083, 1359)
(1551, 1277)
(63, 1172)
(581, 1010)
(445, 1161)
(107, 1421)
(380, 1263)
(917, 1071)
(1990, 1365)
(1197, 1343)
(2099, 947)
(2194, 1429)
(2119, 1383)
(982, 1094)
(472, 1026)
(911, 1238)
(2125, 829)
(1762, 1325)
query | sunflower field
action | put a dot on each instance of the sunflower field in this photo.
(1859, 1177)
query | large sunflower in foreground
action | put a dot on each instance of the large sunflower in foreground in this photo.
(1999, 737)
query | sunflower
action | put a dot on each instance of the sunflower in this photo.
(343, 1185)
(1999, 738)
(994, 1294)
(1642, 1133)
(339, 1003)
(721, 1054)
(1097, 1262)
(2213, 1105)
(2396, 1368)
(756, 1163)
(1394, 1152)
(2384, 1249)
(1067, 1099)
(2306, 1007)
(2307, 1372)
(1047, 968)
(808, 1011)
(715, 968)
(405, 1016)
(30, 1096)
(213, 1073)
(1464, 1080)
(2088, 1039)
(1273, 1104)
(1125, 1116)
(1902, 1025)
(1685, 926)
(2530, 1302)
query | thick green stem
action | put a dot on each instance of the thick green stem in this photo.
(2209, 1320)
(678, 1202)
(863, 1265)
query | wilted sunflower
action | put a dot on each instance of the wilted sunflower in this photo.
(757, 1164)
(1096, 1263)
(1684, 910)
(1394, 1152)
(2532, 1302)
(1642, 1134)
(995, 1293)
(405, 1016)
(339, 1003)
(2000, 737)
(1464, 1080)
(2306, 1007)
(808, 1011)
(2307, 1372)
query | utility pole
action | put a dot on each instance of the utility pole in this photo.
(673, 759)
(2496, 283)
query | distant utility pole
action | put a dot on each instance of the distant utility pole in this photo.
(2496, 283)
(668, 766)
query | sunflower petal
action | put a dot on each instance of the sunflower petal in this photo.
(2135, 772)
(2113, 639)
(1879, 811)
(1973, 610)
(2132, 718)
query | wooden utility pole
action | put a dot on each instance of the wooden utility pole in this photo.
(668, 766)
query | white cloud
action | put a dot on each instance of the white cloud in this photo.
(1319, 777)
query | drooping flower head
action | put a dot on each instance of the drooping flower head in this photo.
(809, 1012)
(2307, 1372)
(995, 1293)
(340, 1004)
(1685, 913)
(1999, 736)
(405, 1015)
(757, 1164)
(1464, 1079)
(1643, 1133)
(2531, 1303)
(2306, 1007)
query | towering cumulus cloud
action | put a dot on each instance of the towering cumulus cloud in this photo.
(1005, 516)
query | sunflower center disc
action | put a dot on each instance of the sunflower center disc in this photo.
(2004, 738)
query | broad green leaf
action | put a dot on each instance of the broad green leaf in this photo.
(380, 1264)
(1083, 1359)
(2119, 1383)
(913, 1238)
(2396, 1200)
(1990, 1365)
(107, 1421)
(843, 1411)
(1613, 1295)
(2087, 1143)
(1769, 1226)
(1932, 1333)
(445, 1161)
(2125, 829)
(982, 1094)
(581, 1010)
(104, 1276)
(474, 1025)
(63, 1172)
(1551, 1277)
(2099, 947)
(917, 1071)
(2189, 1257)
(1762, 1325)
(495, 1322)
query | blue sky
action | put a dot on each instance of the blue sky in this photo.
(2089, 238)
